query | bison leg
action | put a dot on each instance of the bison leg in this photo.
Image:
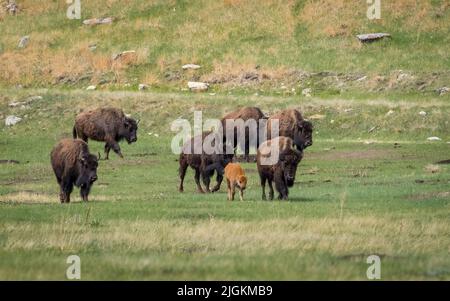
(263, 186)
(233, 192)
(66, 190)
(197, 181)
(182, 171)
(206, 178)
(270, 190)
(247, 150)
(219, 180)
(282, 190)
(229, 189)
(115, 147)
(107, 149)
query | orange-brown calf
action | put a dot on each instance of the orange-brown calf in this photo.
(235, 176)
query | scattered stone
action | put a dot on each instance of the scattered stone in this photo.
(390, 112)
(443, 91)
(172, 75)
(402, 76)
(332, 121)
(91, 88)
(434, 138)
(24, 41)
(33, 98)
(368, 142)
(97, 21)
(307, 92)
(24, 103)
(362, 78)
(191, 66)
(348, 110)
(143, 87)
(423, 113)
(12, 120)
(92, 47)
(317, 116)
(372, 129)
(12, 7)
(124, 54)
(371, 37)
(198, 86)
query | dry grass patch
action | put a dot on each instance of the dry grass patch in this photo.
(348, 235)
(32, 197)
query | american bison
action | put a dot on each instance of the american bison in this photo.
(292, 125)
(74, 165)
(204, 164)
(106, 124)
(283, 171)
(246, 114)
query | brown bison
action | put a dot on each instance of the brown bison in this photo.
(106, 124)
(246, 114)
(204, 164)
(292, 125)
(74, 165)
(283, 171)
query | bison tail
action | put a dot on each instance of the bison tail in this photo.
(74, 132)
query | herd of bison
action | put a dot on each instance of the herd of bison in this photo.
(74, 165)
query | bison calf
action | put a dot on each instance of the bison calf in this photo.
(292, 125)
(74, 165)
(203, 164)
(283, 171)
(106, 124)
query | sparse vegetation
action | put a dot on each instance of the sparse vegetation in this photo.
(279, 41)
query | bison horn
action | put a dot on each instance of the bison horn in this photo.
(137, 122)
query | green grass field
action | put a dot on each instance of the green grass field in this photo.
(370, 184)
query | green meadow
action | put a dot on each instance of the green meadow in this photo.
(359, 191)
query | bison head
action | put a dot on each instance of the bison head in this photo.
(303, 134)
(87, 173)
(242, 182)
(288, 163)
(128, 130)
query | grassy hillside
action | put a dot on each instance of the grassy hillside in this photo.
(282, 42)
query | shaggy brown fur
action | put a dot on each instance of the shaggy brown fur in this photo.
(292, 125)
(283, 172)
(106, 124)
(245, 114)
(203, 164)
(73, 165)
